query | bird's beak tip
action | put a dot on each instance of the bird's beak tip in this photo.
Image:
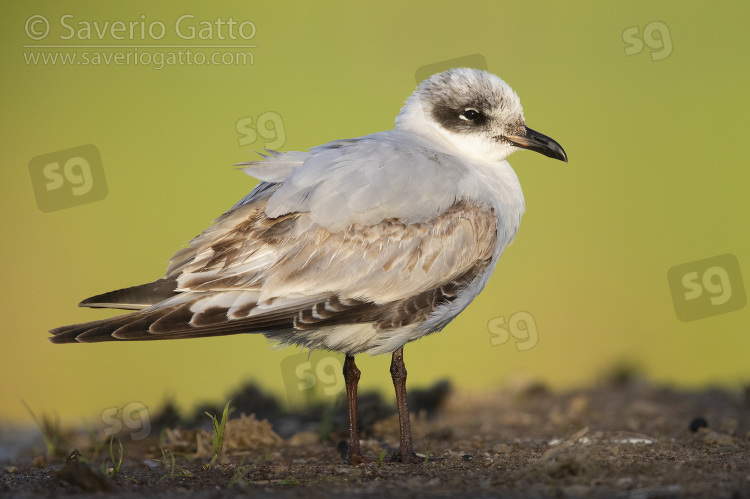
(535, 141)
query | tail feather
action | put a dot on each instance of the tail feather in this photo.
(79, 328)
(108, 329)
(167, 321)
(174, 320)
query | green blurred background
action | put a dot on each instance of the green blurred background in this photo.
(649, 99)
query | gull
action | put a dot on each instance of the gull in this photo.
(357, 246)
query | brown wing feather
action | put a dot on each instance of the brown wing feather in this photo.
(411, 270)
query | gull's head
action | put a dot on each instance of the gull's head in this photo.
(475, 113)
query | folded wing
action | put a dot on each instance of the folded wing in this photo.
(292, 273)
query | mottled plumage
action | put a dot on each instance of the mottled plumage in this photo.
(359, 245)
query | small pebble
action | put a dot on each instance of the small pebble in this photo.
(73, 456)
(718, 439)
(697, 423)
(625, 482)
(501, 449)
(81, 474)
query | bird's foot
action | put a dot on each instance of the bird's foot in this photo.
(356, 458)
(412, 457)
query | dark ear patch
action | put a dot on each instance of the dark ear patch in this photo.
(454, 118)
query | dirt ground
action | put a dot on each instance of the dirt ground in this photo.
(624, 438)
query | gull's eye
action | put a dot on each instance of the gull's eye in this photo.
(470, 114)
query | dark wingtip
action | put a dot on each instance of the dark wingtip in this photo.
(134, 297)
(59, 337)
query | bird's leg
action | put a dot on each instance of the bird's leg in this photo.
(405, 453)
(351, 377)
